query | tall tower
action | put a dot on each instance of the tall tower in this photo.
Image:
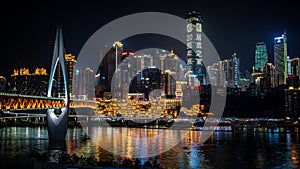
(194, 47)
(70, 62)
(86, 83)
(295, 67)
(280, 58)
(232, 71)
(261, 56)
(106, 70)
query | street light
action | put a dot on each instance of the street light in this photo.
(117, 45)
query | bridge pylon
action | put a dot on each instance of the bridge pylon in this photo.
(58, 125)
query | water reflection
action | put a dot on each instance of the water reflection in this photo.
(135, 142)
(222, 150)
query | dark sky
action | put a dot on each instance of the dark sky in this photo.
(28, 27)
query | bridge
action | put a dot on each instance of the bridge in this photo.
(57, 110)
(16, 102)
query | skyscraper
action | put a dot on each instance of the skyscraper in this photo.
(217, 74)
(269, 74)
(261, 56)
(70, 66)
(107, 69)
(295, 66)
(280, 58)
(86, 83)
(194, 47)
(232, 71)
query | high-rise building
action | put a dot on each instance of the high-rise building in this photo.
(70, 61)
(295, 67)
(107, 69)
(86, 83)
(261, 56)
(293, 72)
(232, 71)
(24, 82)
(280, 58)
(126, 73)
(144, 61)
(216, 74)
(194, 48)
(269, 74)
(145, 81)
(168, 83)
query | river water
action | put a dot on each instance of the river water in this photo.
(224, 149)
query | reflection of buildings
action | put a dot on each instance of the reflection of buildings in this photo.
(24, 82)
(280, 58)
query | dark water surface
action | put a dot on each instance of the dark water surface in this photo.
(221, 150)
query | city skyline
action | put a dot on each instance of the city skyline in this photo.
(28, 41)
(213, 85)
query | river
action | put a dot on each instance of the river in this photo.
(224, 149)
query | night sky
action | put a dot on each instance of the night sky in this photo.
(28, 27)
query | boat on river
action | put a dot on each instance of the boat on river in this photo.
(116, 121)
(140, 122)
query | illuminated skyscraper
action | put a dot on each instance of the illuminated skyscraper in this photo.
(194, 47)
(70, 67)
(232, 71)
(261, 56)
(280, 58)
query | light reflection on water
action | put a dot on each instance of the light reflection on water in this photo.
(222, 150)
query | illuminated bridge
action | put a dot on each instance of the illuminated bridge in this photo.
(16, 102)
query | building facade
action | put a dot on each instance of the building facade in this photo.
(86, 84)
(232, 71)
(24, 82)
(70, 68)
(194, 48)
(261, 56)
(280, 58)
